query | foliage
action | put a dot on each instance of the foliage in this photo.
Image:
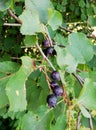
(25, 68)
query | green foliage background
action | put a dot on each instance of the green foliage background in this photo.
(24, 86)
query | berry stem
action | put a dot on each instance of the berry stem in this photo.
(48, 35)
(81, 81)
(39, 48)
(78, 121)
(66, 98)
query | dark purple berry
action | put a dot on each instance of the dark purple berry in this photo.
(51, 100)
(46, 43)
(53, 84)
(58, 91)
(50, 50)
(55, 75)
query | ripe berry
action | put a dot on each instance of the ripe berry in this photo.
(55, 75)
(58, 91)
(51, 100)
(50, 51)
(53, 84)
(46, 43)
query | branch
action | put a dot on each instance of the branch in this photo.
(39, 48)
(48, 35)
(14, 16)
(67, 30)
(91, 124)
(81, 81)
(12, 24)
(78, 121)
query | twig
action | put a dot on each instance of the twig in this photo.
(67, 100)
(16, 58)
(78, 121)
(14, 16)
(67, 30)
(12, 24)
(39, 48)
(48, 36)
(91, 124)
(91, 36)
(81, 81)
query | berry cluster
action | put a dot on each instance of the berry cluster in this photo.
(56, 89)
(48, 51)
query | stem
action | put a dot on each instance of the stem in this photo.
(39, 48)
(78, 121)
(67, 100)
(67, 30)
(14, 16)
(81, 81)
(91, 124)
(69, 118)
(48, 36)
(12, 24)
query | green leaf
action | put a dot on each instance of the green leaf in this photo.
(65, 59)
(36, 88)
(30, 40)
(92, 20)
(61, 123)
(92, 63)
(40, 7)
(15, 88)
(74, 53)
(5, 4)
(39, 121)
(91, 75)
(81, 3)
(55, 19)
(3, 95)
(7, 69)
(30, 23)
(60, 39)
(84, 111)
(85, 122)
(88, 95)
(78, 42)
(32, 92)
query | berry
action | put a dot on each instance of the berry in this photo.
(53, 84)
(46, 43)
(50, 50)
(55, 75)
(58, 91)
(51, 100)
